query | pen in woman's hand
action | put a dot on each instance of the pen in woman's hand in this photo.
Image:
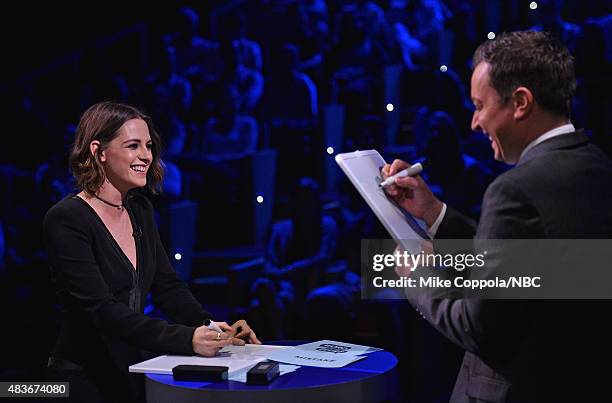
(212, 325)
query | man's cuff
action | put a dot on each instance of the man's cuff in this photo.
(431, 231)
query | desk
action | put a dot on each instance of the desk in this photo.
(372, 379)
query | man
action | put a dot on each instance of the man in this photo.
(561, 187)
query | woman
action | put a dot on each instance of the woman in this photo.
(106, 256)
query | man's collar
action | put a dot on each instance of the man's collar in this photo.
(557, 131)
(562, 142)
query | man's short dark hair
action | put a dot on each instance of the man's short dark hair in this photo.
(535, 60)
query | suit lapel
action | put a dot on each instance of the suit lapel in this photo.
(564, 141)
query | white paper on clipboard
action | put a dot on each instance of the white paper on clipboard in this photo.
(363, 170)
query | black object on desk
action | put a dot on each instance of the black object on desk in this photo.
(199, 373)
(263, 373)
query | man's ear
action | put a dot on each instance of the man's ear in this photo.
(94, 148)
(522, 100)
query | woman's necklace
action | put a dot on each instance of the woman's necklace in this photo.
(117, 206)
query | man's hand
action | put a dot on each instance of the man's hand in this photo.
(208, 342)
(412, 193)
(409, 268)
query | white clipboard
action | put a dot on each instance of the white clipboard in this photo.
(363, 170)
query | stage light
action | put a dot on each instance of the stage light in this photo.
(491, 35)
(443, 68)
(330, 150)
(259, 199)
(390, 107)
(178, 256)
(533, 5)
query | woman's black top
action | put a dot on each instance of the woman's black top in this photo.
(104, 328)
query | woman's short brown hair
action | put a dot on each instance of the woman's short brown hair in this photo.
(101, 122)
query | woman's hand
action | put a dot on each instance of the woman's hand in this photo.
(242, 331)
(208, 342)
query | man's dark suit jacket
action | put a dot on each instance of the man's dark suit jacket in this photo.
(534, 350)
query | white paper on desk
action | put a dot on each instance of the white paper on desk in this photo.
(255, 350)
(164, 363)
(312, 358)
(337, 347)
(260, 350)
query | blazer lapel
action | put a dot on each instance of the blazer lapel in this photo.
(564, 141)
